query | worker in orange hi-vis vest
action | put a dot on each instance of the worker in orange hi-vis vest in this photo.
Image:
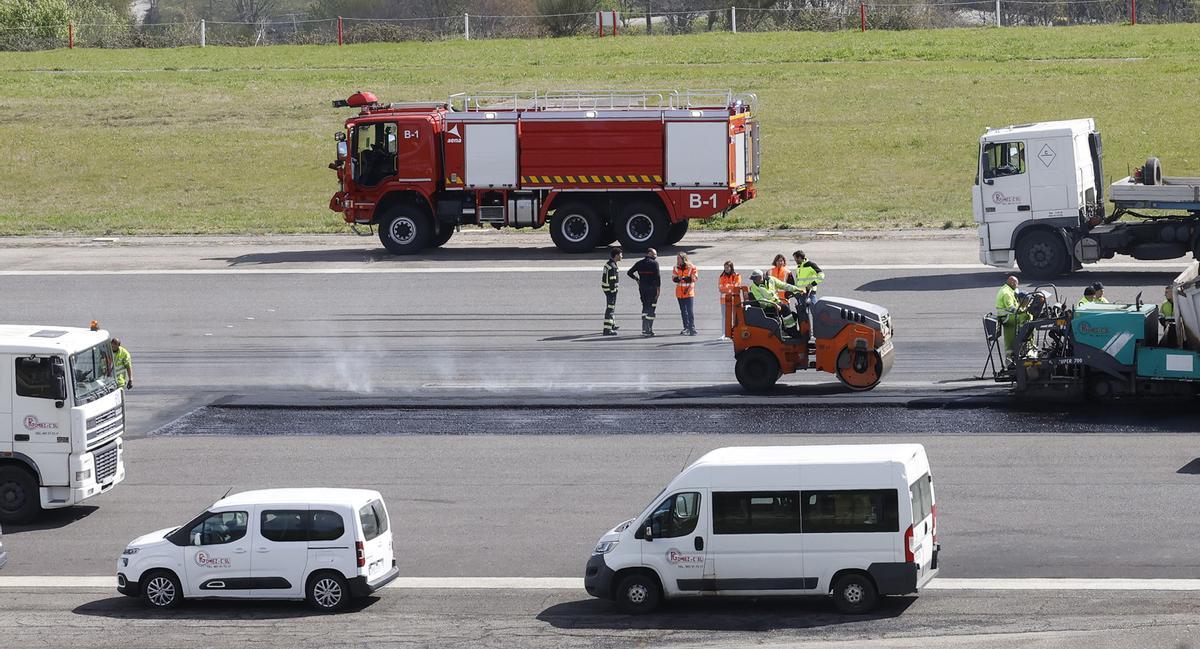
(684, 274)
(729, 283)
(779, 271)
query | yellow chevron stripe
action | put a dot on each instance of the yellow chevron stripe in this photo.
(620, 179)
(571, 179)
(595, 179)
(645, 179)
(658, 179)
(584, 179)
(608, 179)
(558, 179)
(546, 179)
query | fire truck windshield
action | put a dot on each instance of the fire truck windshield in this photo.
(93, 372)
(374, 152)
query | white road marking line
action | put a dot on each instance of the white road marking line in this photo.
(626, 385)
(373, 269)
(575, 583)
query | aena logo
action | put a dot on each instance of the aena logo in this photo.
(205, 561)
(32, 423)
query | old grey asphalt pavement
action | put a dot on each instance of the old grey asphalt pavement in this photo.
(505, 321)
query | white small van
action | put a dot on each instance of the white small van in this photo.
(321, 545)
(854, 522)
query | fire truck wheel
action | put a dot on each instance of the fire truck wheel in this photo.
(642, 225)
(675, 234)
(19, 499)
(757, 370)
(575, 227)
(405, 230)
(445, 231)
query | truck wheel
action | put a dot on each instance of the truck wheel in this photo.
(1152, 172)
(757, 370)
(445, 231)
(576, 228)
(675, 234)
(19, 500)
(161, 590)
(638, 594)
(405, 230)
(859, 370)
(1042, 254)
(642, 225)
(854, 594)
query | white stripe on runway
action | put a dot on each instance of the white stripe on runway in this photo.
(374, 269)
(575, 583)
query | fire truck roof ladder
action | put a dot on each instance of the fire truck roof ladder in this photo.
(599, 100)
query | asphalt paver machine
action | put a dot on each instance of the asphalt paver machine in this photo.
(850, 339)
(1109, 351)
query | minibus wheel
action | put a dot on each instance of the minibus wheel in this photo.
(638, 593)
(854, 593)
(161, 590)
(327, 592)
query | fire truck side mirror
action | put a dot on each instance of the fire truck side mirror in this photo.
(342, 150)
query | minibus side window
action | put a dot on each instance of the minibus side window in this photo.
(846, 511)
(676, 516)
(756, 512)
(325, 526)
(283, 525)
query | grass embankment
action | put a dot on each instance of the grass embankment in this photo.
(874, 130)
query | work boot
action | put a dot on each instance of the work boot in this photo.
(608, 332)
(649, 333)
(615, 327)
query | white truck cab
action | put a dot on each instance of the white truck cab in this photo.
(320, 545)
(1039, 202)
(1033, 181)
(62, 418)
(854, 522)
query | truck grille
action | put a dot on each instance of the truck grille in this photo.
(106, 462)
(105, 423)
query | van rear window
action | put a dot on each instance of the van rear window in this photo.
(922, 497)
(865, 510)
(374, 519)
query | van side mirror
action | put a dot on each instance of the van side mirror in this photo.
(649, 533)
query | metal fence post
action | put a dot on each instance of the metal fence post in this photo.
(70, 36)
(203, 33)
(997, 13)
(733, 18)
(339, 31)
(467, 27)
(862, 16)
(1133, 12)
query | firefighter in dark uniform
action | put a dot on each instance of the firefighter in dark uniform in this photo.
(610, 277)
(649, 283)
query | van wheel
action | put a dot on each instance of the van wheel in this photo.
(638, 594)
(405, 230)
(854, 594)
(161, 590)
(19, 500)
(327, 592)
(757, 370)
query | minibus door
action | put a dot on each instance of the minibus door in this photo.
(756, 542)
(676, 546)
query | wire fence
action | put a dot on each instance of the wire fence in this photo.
(830, 15)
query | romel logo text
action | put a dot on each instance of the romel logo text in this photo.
(32, 423)
(205, 561)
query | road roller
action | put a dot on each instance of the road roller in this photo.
(850, 339)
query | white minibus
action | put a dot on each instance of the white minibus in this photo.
(853, 521)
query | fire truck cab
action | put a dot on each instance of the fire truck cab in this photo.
(596, 167)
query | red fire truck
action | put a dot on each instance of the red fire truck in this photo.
(596, 166)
